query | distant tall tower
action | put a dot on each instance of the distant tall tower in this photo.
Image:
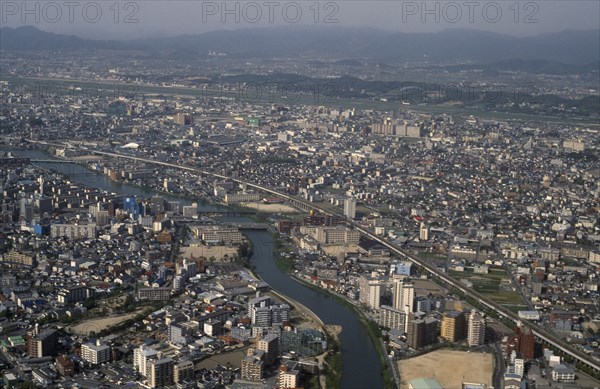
(350, 208)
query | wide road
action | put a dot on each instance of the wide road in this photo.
(302, 204)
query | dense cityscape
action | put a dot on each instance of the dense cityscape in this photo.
(284, 223)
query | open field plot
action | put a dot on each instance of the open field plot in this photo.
(450, 368)
(233, 357)
(489, 285)
(97, 325)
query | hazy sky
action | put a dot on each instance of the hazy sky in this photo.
(111, 19)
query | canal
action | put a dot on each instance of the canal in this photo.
(361, 367)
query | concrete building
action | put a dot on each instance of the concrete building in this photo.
(350, 208)
(423, 232)
(213, 327)
(215, 234)
(160, 372)
(476, 329)
(154, 294)
(75, 294)
(421, 332)
(453, 326)
(264, 314)
(404, 295)
(370, 290)
(141, 358)
(73, 231)
(242, 198)
(393, 318)
(17, 258)
(562, 373)
(96, 353)
(287, 378)
(269, 344)
(253, 366)
(41, 344)
(183, 371)
(332, 235)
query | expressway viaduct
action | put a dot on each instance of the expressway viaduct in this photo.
(539, 332)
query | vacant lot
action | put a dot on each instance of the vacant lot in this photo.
(424, 287)
(450, 368)
(234, 358)
(97, 325)
(495, 285)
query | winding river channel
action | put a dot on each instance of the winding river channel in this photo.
(361, 367)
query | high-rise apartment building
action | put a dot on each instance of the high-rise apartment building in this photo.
(404, 295)
(160, 372)
(350, 208)
(476, 330)
(453, 326)
(96, 353)
(370, 290)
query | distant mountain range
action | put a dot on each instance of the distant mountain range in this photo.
(566, 48)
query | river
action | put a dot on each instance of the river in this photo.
(361, 367)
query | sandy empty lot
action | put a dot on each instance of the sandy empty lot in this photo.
(97, 325)
(450, 368)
